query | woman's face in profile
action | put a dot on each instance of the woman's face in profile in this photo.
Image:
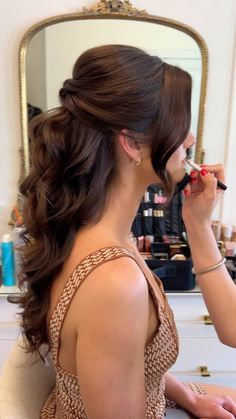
(176, 163)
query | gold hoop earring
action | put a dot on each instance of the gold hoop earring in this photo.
(137, 162)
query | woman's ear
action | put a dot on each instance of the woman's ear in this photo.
(129, 145)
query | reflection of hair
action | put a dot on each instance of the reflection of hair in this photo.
(73, 156)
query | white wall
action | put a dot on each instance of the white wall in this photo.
(158, 40)
(215, 21)
(171, 45)
(36, 72)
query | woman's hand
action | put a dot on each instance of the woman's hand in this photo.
(202, 406)
(216, 407)
(202, 194)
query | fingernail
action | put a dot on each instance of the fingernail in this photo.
(204, 172)
(194, 181)
(193, 173)
(186, 192)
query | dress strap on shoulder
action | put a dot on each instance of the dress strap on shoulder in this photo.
(82, 270)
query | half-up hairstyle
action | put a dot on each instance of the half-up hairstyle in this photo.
(73, 159)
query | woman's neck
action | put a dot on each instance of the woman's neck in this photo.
(120, 210)
(116, 221)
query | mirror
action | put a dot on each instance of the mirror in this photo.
(49, 49)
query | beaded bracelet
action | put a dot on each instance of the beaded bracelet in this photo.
(211, 268)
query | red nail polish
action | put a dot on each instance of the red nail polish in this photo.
(194, 181)
(186, 192)
(204, 172)
(193, 173)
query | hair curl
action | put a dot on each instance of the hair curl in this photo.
(73, 162)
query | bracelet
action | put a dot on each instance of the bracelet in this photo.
(211, 268)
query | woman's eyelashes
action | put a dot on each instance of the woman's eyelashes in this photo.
(189, 152)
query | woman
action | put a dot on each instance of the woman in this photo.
(123, 124)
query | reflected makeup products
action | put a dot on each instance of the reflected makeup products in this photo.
(225, 235)
(198, 168)
(154, 222)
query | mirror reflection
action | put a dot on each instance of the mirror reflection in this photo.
(52, 51)
(49, 49)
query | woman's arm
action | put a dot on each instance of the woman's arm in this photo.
(112, 331)
(218, 289)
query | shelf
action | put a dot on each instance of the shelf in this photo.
(194, 291)
(5, 291)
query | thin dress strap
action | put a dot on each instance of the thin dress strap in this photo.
(82, 270)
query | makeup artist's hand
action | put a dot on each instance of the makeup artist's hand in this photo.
(201, 193)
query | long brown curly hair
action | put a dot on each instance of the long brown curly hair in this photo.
(73, 159)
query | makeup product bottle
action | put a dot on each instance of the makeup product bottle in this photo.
(159, 226)
(230, 249)
(8, 261)
(147, 243)
(227, 230)
(216, 227)
(147, 222)
(234, 234)
(146, 196)
(140, 244)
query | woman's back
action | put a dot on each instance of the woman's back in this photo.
(159, 354)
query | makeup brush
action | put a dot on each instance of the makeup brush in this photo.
(198, 169)
(181, 185)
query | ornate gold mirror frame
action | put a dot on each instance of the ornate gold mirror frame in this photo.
(113, 9)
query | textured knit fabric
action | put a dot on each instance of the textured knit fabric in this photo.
(65, 401)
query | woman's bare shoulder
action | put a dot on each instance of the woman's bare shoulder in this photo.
(122, 273)
(114, 286)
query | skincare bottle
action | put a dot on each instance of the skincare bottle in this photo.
(234, 234)
(227, 230)
(8, 262)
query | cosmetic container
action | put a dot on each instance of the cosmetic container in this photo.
(159, 226)
(8, 261)
(140, 244)
(216, 227)
(230, 249)
(147, 243)
(147, 196)
(227, 230)
(147, 222)
(234, 234)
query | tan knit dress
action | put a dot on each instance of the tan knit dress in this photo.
(65, 400)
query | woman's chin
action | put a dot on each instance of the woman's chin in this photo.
(178, 176)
